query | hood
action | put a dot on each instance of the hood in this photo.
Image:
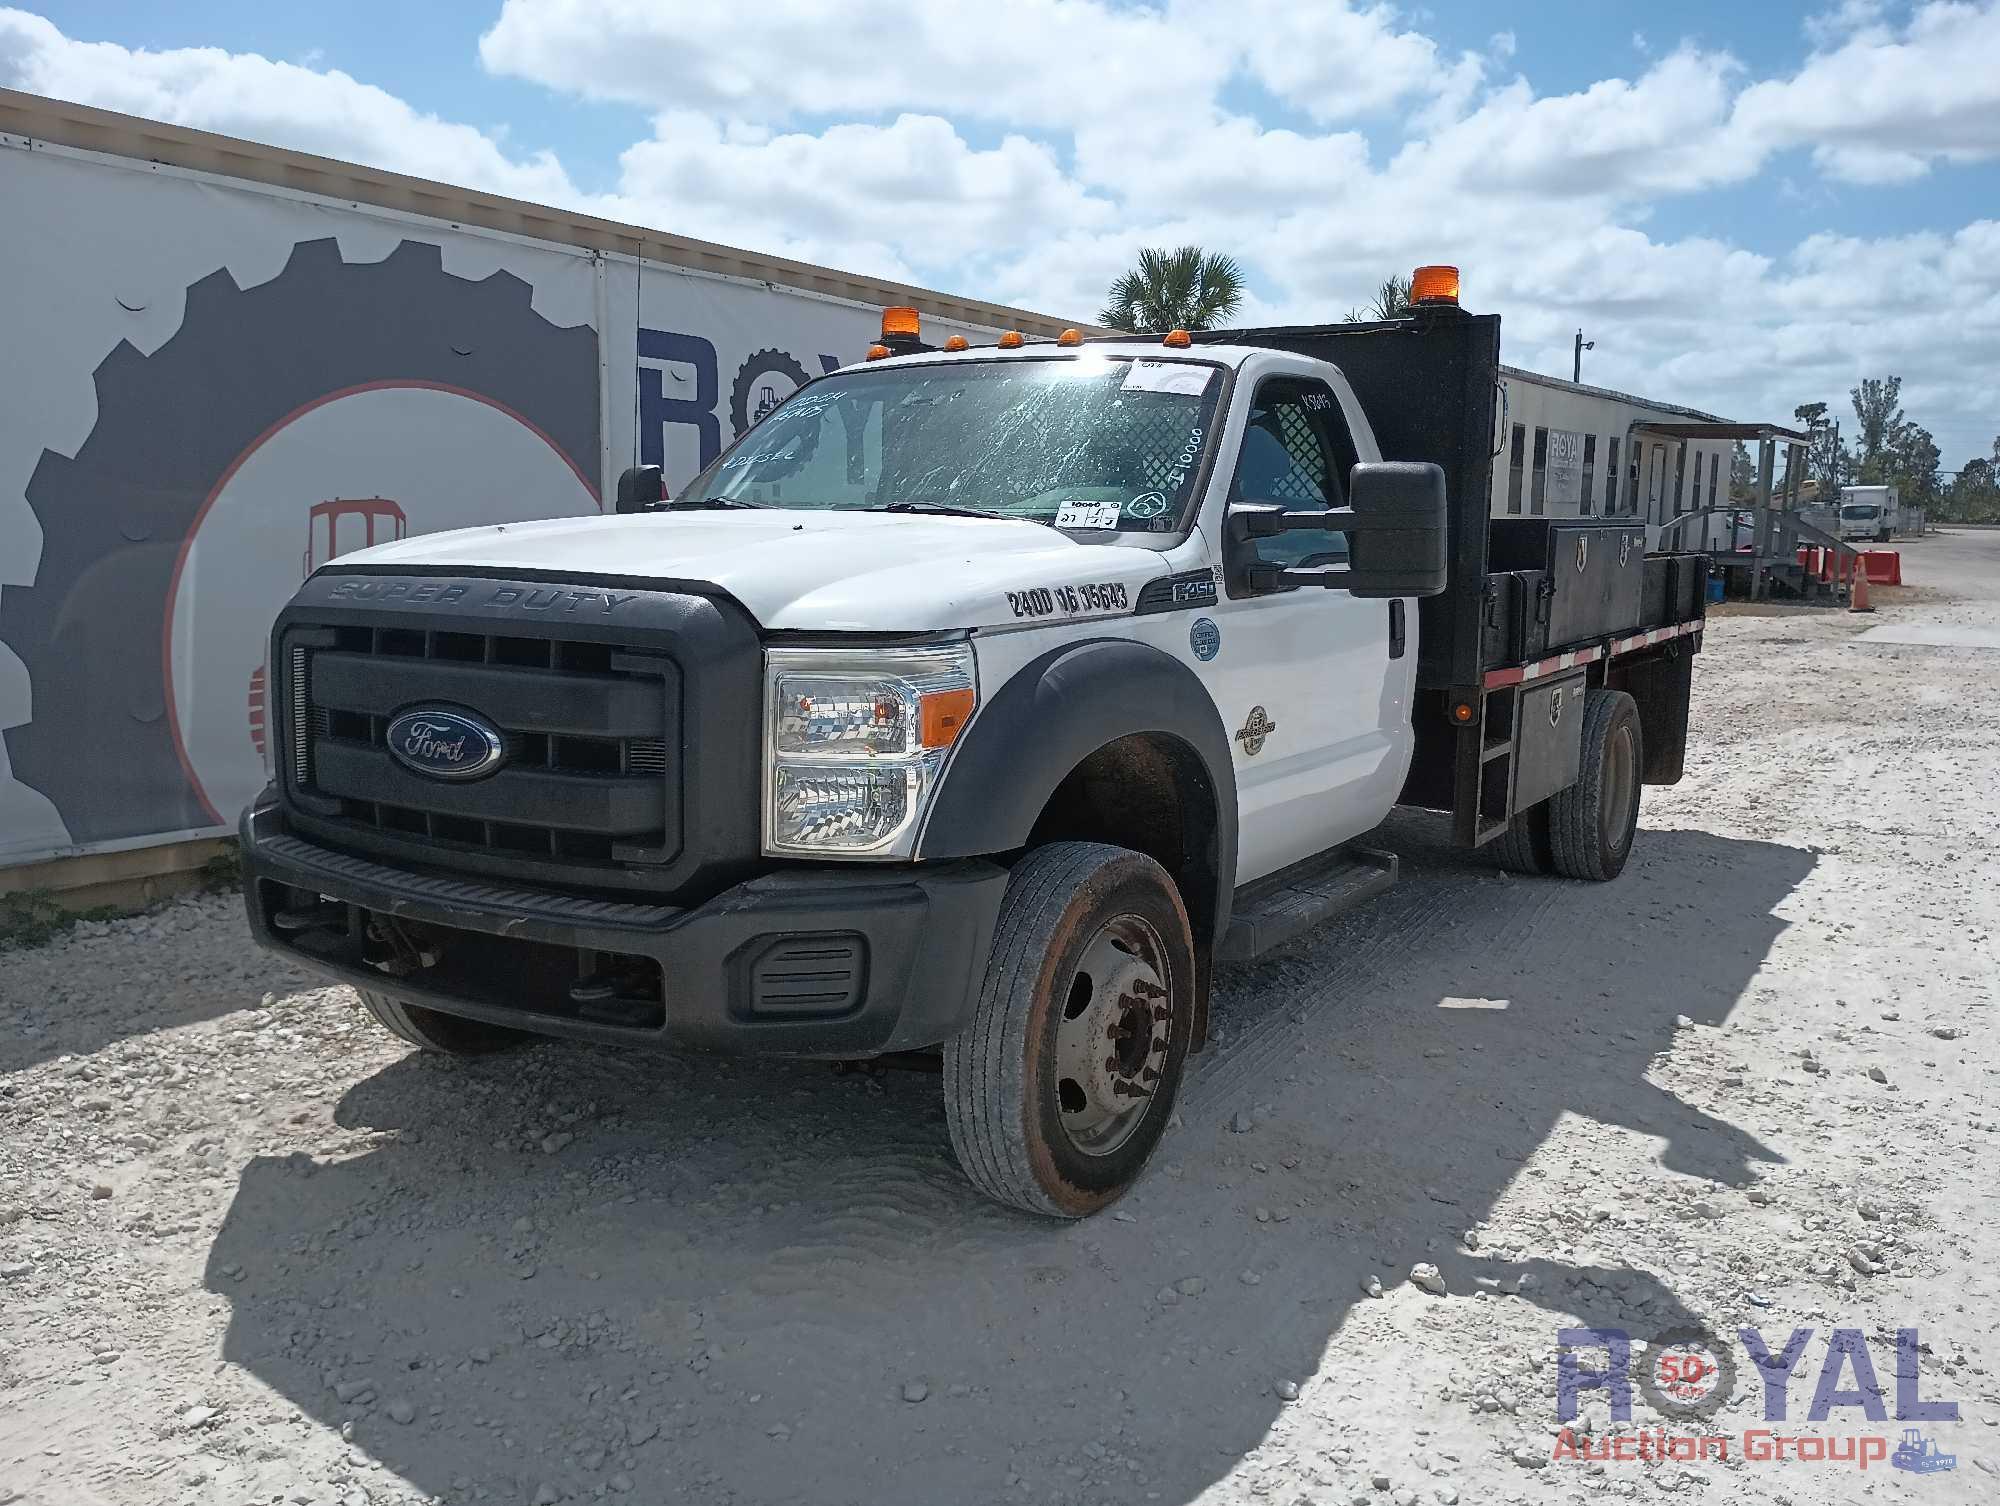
(833, 571)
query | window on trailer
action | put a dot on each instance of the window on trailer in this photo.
(1583, 499)
(1680, 479)
(1610, 476)
(1519, 446)
(1714, 466)
(1538, 499)
(1634, 456)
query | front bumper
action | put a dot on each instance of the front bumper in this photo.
(823, 961)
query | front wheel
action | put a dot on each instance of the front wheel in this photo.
(1060, 1085)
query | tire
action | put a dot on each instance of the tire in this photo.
(171, 425)
(1592, 822)
(433, 1030)
(1034, 1122)
(1524, 846)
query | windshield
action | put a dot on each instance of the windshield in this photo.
(1093, 442)
(1860, 510)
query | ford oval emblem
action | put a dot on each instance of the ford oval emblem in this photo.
(446, 744)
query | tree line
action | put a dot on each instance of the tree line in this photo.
(1890, 448)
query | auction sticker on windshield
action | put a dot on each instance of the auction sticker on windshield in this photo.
(1087, 515)
(1168, 376)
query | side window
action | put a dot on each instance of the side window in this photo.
(1610, 476)
(1538, 495)
(1296, 452)
(1714, 467)
(1583, 497)
(1516, 453)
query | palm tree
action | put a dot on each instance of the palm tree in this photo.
(1183, 288)
(1392, 301)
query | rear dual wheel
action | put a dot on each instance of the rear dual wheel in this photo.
(1585, 831)
(1060, 1086)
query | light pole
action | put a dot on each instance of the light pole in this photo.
(1576, 364)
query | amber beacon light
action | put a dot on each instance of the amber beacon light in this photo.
(1434, 287)
(901, 320)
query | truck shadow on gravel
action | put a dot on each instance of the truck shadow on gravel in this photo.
(767, 1282)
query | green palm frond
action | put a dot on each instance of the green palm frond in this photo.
(1181, 288)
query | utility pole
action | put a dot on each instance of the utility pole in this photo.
(1576, 364)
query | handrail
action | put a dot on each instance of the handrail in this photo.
(1778, 534)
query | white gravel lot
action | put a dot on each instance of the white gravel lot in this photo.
(254, 1251)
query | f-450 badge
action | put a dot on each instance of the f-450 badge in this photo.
(1253, 732)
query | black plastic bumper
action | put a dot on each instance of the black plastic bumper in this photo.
(834, 962)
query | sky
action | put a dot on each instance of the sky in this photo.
(1744, 206)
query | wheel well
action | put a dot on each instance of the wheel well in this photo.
(1151, 793)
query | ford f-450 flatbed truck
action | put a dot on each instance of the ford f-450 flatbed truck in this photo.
(976, 702)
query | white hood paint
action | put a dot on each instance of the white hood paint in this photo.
(825, 571)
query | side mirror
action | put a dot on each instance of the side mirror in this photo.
(1397, 542)
(1395, 523)
(641, 488)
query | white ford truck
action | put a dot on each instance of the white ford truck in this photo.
(972, 707)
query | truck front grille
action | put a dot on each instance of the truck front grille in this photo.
(588, 778)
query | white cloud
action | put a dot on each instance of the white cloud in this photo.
(845, 195)
(1333, 61)
(1031, 62)
(1024, 152)
(241, 94)
(1880, 107)
(1045, 63)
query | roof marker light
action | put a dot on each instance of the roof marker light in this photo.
(1010, 341)
(957, 342)
(1177, 339)
(1070, 337)
(877, 352)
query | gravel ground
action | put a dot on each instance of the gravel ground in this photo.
(254, 1251)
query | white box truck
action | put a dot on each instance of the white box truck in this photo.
(1868, 512)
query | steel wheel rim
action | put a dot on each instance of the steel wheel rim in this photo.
(1614, 813)
(1113, 1019)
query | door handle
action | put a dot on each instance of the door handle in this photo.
(1396, 632)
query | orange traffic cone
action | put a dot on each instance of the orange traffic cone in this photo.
(1857, 595)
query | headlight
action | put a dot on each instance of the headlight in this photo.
(854, 740)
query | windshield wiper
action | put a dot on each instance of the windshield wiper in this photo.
(939, 509)
(702, 504)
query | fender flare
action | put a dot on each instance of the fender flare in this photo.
(1047, 719)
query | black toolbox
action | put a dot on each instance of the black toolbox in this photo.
(1593, 575)
(1676, 589)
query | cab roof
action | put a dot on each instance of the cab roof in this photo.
(1136, 349)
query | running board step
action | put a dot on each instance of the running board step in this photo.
(1283, 907)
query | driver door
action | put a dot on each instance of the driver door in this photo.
(1326, 758)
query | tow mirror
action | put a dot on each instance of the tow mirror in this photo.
(641, 488)
(1397, 546)
(1395, 527)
